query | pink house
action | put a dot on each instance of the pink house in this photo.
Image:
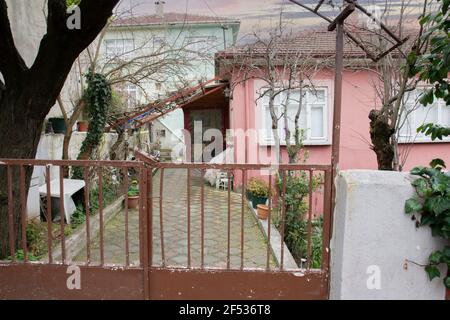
(247, 113)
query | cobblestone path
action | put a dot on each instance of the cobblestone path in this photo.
(175, 226)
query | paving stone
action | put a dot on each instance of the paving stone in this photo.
(175, 225)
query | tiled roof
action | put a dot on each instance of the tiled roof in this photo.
(170, 18)
(313, 43)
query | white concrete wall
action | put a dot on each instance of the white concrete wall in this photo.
(50, 147)
(372, 233)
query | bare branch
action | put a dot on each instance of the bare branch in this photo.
(65, 44)
(63, 109)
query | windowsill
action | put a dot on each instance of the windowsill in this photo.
(271, 143)
(422, 141)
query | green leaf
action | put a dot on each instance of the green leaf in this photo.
(447, 282)
(426, 219)
(421, 186)
(417, 171)
(427, 98)
(412, 205)
(436, 257)
(437, 204)
(437, 163)
(433, 272)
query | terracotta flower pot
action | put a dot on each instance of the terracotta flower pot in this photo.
(262, 211)
(133, 202)
(258, 200)
(82, 126)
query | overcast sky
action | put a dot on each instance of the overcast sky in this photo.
(254, 14)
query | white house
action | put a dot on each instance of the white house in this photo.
(193, 39)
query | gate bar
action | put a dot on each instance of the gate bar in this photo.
(127, 244)
(269, 221)
(283, 217)
(150, 215)
(61, 214)
(242, 217)
(309, 219)
(100, 215)
(87, 204)
(161, 223)
(202, 217)
(49, 215)
(189, 217)
(23, 211)
(12, 250)
(229, 221)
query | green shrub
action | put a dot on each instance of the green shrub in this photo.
(20, 256)
(296, 226)
(258, 187)
(133, 190)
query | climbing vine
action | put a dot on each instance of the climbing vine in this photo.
(433, 185)
(98, 97)
(433, 204)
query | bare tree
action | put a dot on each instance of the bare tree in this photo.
(393, 81)
(389, 55)
(136, 66)
(282, 70)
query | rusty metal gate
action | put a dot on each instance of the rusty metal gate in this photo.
(147, 268)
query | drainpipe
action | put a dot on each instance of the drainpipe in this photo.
(224, 37)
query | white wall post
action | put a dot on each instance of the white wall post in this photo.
(374, 241)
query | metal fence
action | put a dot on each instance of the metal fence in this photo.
(153, 238)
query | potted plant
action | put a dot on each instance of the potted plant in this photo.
(133, 195)
(58, 125)
(82, 126)
(48, 127)
(262, 211)
(257, 191)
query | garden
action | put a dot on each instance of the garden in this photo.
(37, 229)
(294, 223)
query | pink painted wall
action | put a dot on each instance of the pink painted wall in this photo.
(358, 98)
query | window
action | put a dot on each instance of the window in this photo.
(415, 115)
(131, 96)
(161, 133)
(119, 48)
(313, 116)
(200, 45)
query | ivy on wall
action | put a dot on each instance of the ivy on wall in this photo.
(98, 96)
(433, 204)
(432, 201)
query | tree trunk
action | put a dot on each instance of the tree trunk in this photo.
(19, 139)
(27, 94)
(70, 123)
(115, 153)
(381, 135)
